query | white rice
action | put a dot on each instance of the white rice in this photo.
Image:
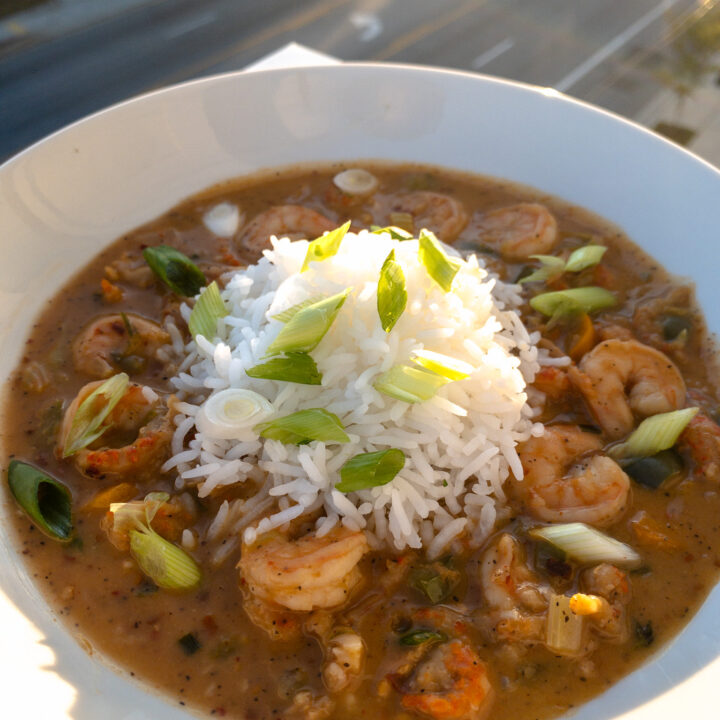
(459, 446)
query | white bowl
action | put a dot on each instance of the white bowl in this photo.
(71, 194)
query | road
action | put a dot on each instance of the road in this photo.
(603, 51)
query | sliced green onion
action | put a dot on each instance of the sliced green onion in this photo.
(308, 326)
(576, 300)
(586, 545)
(443, 365)
(176, 270)
(189, 644)
(87, 424)
(402, 220)
(231, 414)
(326, 246)
(46, 501)
(409, 384)
(166, 564)
(585, 257)
(653, 471)
(440, 267)
(430, 583)
(209, 308)
(420, 637)
(396, 233)
(356, 181)
(564, 634)
(676, 327)
(391, 293)
(552, 267)
(297, 367)
(371, 469)
(287, 315)
(656, 433)
(304, 426)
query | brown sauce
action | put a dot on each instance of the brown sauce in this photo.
(236, 670)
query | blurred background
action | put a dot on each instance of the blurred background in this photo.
(657, 62)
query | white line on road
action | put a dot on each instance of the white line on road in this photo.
(613, 46)
(494, 52)
(187, 26)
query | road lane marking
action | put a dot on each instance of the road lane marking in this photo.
(494, 52)
(187, 26)
(369, 25)
(613, 46)
(422, 31)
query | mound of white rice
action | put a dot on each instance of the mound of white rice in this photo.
(460, 445)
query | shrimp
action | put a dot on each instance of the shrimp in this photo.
(304, 574)
(516, 599)
(441, 214)
(620, 378)
(117, 342)
(450, 684)
(519, 231)
(611, 592)
(140, 414)
(702, 438)
(561, 485)
(293, 221)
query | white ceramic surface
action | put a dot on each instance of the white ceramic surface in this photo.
(66, 197)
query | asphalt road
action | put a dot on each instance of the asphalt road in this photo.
(604, 51)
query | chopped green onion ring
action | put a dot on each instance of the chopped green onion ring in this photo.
(326, 246)
(287, 315)
(46, 501)
(552, 267)
(439, 265)
(570, 302)
(176, 270)
(371, 469)
(409, 384)
(391, 292)
(88, 422)
(586, 544)
(420, 637)
(295, 367)
(585, 257)
(308, 326)
(656, 433)
(396, 233)
(443, 365)
(303, 427)
(209, 308)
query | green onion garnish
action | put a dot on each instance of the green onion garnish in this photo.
(308, 326)
(586, 545)
(296, 367)
(167, 565)
(564, 633)
(420, 637)
(440, 267)
(443, 365)
(576, 300)
(656, 433)
(47, 502)
(585, 257)
(88, 422)
(326, 246)
(409, 384)
(176, 270)
(391, 292)
(287, 315)
(396, 233)
(402, 220)
(304, 426)
(430, 583)
(370, 470)
(209, 308)
(552, 267)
